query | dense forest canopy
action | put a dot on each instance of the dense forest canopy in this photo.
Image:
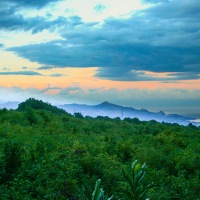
(46, 153)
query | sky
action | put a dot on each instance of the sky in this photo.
(138, 53)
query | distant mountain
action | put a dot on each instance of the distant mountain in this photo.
(113, 111)
(10, 105)
(106, 109)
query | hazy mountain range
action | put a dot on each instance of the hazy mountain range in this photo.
(10, 105)
(113, 111)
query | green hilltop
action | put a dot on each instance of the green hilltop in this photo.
(39, 105)
(46, 153)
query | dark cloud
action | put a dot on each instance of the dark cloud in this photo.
(9, 20)
(45, 67)
(137, 75)
(13, 19)
(175, 9)
(35, 24)
(57, 75)
(74, 21)
(29, 3)
(162, 38)
(116, 61)
(185, 76)
(26, 73)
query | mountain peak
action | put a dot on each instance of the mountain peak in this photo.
(161, 113)
(105, 103)
(109, 106)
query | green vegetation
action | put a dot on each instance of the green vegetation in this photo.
(136, 188)
(98, 193)
(46, 153)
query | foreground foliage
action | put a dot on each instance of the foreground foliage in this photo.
(136, 188)
(46, 153)
(98, 193)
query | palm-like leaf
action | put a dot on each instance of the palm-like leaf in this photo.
(135, 188)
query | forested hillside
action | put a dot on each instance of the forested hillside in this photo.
(46, 153)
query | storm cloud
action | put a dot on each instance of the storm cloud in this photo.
(14, 19)
(164, 38)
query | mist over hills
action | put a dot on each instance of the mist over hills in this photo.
(10, 105)
(113, 111)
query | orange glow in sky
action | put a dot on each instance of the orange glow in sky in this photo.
(85, 77)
